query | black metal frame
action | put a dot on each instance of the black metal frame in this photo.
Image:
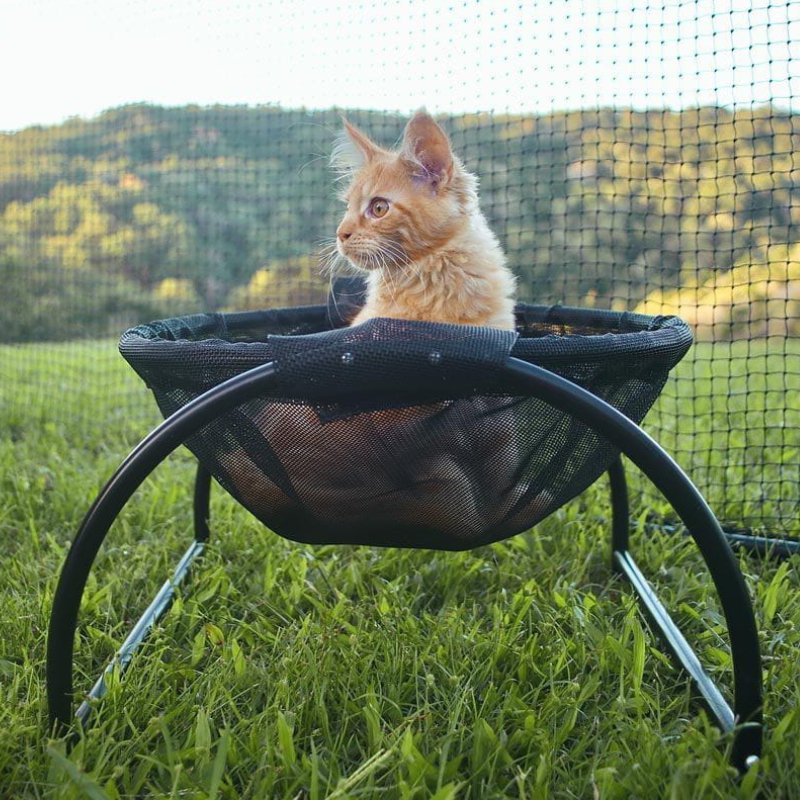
(743, 721)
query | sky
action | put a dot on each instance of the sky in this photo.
(63, 58)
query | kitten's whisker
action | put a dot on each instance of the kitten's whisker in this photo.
(390, 249)
(391, 252)
(329, 256)
(389, 279)
(380, 257)
(327, 259)
(317, 157)
(332, 262)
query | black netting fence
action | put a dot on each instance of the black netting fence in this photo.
(632, 156)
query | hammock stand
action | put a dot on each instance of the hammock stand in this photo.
(223, 364)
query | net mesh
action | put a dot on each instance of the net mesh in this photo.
(632, 156)
(404, 433)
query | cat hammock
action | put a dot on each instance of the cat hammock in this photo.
(412, 434)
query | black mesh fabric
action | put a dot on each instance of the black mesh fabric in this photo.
(399, 433)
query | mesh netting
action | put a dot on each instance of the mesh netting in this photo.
(404, 433)
(634, 155)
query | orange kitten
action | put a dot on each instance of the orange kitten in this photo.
(414, 224)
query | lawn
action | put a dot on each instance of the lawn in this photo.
(523, 669)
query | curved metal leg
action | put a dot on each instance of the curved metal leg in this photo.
(111, 500)
(702, 525)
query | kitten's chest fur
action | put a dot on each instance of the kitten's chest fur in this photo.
(464, 282)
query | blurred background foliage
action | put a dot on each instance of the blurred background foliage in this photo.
(147, 211)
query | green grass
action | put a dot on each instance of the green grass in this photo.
(523, 669)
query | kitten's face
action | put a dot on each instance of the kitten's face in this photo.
(401, 205)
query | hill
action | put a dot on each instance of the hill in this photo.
(147, 210)
(759, 297)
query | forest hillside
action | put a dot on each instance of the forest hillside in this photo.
(145, 211)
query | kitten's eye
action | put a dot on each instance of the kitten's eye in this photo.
(378, 207)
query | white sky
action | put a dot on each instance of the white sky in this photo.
(61, 58)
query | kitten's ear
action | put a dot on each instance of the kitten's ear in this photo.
(352, 149)
(427, 147)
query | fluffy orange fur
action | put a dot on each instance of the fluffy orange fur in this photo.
(426, 246)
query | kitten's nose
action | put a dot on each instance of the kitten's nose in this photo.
(343, 234)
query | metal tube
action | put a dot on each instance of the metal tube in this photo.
(152, 614)
(675, 640)
(766, 546)
(762, 546)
